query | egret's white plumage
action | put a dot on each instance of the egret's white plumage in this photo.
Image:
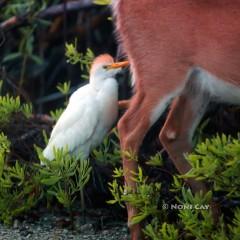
(91, 112)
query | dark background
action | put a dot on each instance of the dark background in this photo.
(32, 49)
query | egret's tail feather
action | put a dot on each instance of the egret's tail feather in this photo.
(48, 153)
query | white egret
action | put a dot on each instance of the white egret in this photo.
(91, 112)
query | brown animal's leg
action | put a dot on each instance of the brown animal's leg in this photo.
(126, 124)
(132, 127)
(184, 116)
(123, 104)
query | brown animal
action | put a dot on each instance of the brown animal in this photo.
(182, 52)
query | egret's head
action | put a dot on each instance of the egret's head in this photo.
(103, 67)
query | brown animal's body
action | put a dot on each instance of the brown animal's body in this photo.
(186, 50)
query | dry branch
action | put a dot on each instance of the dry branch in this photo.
(70, 6)
(49, 12)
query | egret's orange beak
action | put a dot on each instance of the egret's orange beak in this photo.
(118, 65)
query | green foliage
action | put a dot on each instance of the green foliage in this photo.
(64, 89)
(198, 222)
(55, 114)
(4, 144)
(9, 106)
(74, 57)
(108, 151)
(156, 160)
(1, 85)
(64, 177)
(26, 109)
(18, 191)
(235, 227)
(145, 198)
(103, 2)
(166, 231)
(198, 209)
(195, 221)
(217, 161)
(23, 51)
(22, 186)
(199, 133)
(21, 7)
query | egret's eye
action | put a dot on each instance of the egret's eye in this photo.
(105, 67)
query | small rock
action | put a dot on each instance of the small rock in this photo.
(86, 228)
(105, 232)
(28, 236)
(15, 224)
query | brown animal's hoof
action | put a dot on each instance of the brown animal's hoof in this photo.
(135, 229)
(136, 233)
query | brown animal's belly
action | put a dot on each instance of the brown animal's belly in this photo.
(158, 34)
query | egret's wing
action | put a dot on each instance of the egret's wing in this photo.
(79, 102)
(77, 123)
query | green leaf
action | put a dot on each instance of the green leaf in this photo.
(52, 180)
(103, 2)
(38, 60)
(12, 56)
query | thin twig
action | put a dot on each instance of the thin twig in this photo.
(13, 21)
(2, 37)
(57, 95)
(10, 81)
(70, 6)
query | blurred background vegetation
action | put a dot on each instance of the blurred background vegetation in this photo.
(33, 35)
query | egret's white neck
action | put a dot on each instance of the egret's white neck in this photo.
(96, 81)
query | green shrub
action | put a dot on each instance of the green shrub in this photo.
(145, 198)
(23, 186)
(109, 150)
(64, 177)
(165, 231)
(19, 188)
(188, 216)
(74, 57)
(9, 106)
(217, 161)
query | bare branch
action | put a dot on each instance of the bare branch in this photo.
(70, 6)
(13, 21)
(2, 37)
(49, 12)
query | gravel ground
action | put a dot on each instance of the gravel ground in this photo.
(45, 228)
